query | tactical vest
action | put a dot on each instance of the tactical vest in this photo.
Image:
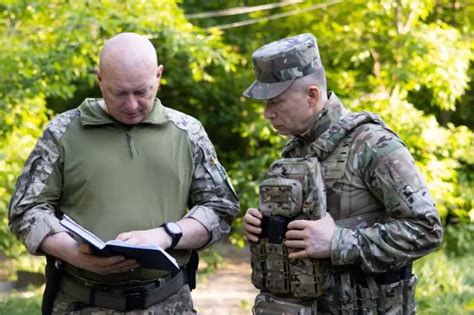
(294, 189)
(306, 279)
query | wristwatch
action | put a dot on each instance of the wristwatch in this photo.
(174, 230)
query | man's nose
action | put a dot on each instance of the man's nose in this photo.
(131, 102)
(268, 113)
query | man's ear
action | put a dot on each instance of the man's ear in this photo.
(314, 93)
(99, 78)
(159, 71)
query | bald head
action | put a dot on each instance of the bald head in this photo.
(129, 77)
(126, 52)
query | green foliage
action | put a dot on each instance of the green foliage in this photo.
(459, 240)
(20, 304)
(30, 263)
(381, 56)
(445, 285)
(210, 261)
(56, 47)
(408, 61)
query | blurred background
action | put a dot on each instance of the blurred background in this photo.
(410, 61)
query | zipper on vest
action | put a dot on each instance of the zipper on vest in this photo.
(131, 144)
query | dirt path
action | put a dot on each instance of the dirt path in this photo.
(228, 291)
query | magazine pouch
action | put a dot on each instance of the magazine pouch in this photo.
(293, 189)
(306, 278)
(277, 269)
(258, 264)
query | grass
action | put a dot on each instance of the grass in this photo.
(22, 303)
(446, 284)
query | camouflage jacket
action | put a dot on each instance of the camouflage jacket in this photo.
(384, 213)
(113, 178)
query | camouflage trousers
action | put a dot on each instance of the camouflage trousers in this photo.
(178, 303)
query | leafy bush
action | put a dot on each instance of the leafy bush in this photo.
(22, 304)
(445, 285)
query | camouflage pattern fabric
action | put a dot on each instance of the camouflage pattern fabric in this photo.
(178, 303)
(280, 196)
(279, 63)
(266, 304)
(212, 194)
(307, 277)
(293, 189)
(385, 214)
(29, 220)
(40, 187)
(307, 196)
(31, 212)
(380, 177)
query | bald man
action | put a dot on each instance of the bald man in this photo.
(124, 167)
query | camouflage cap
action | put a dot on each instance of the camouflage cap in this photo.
(278, 64)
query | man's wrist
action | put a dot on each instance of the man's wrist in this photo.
(168, 240)
(174, 232)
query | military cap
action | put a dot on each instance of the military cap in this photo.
(278, 64)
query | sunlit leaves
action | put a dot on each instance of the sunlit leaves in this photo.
(49, 50)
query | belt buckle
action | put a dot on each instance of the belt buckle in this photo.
(135, 299)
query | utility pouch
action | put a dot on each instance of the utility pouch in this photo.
(257, 261)
(293, 189)
(281, 197)
(390, 300)
(294, 186)
(306, 278)
(268, 305)
(278, 273)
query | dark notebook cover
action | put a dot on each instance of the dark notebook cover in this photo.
(148, 256)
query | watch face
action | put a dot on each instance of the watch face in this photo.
(173, 227)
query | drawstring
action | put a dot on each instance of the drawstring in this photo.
(131, 144)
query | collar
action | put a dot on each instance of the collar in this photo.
(93, 113)
(332, 112)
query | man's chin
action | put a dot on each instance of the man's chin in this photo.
(281, 130)
(132, 120)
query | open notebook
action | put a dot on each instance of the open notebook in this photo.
(148, 256)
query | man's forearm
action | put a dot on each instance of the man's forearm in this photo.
(195, 235)
(60, 245)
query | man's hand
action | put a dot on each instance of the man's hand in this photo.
(195, 235)
(156, 236)
(64, 247)
(307, 238)
(252, 224)
(102, 265)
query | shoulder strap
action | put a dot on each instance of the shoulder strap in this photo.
(330, 139)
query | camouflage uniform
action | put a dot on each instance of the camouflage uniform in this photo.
(85, 163)
(383, 210)
(178, 303)
(371, 178)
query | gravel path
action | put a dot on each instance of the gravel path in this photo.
(228, 290)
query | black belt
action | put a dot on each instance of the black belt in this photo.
(123, 298)
(387, 277)
(394, 275)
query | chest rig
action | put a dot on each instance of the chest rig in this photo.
(293, 189)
